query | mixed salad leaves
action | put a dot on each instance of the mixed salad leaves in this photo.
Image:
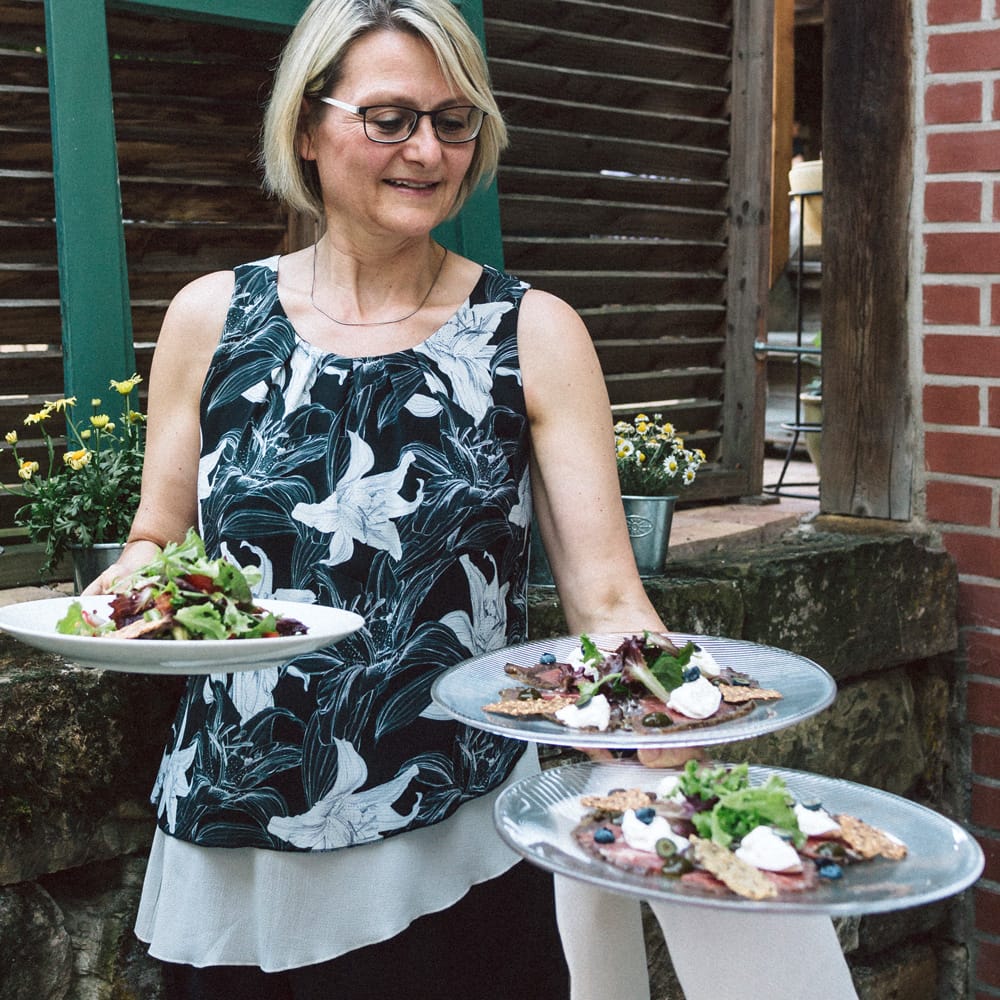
(182, 594)
(645, 684)
(709, 827)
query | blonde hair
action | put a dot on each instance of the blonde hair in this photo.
(311, 65)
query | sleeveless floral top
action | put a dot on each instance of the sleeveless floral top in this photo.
(394, 486)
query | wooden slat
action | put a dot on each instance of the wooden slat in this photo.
(28, 321)
(536, 252)
(593, 85)
(682, 319)
(595, 152)
(619, 21)
(624, 354)
(511, 40)
(524, 214)
(676, 383)
(614, 185)
(21, 68)
(594, 288)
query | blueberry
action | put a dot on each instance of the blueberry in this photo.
(830, 870)
(691, 674)
(604, 836)
(814, 804)
(645, 815)
(546, 658)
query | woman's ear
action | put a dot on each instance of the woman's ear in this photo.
(304, 140)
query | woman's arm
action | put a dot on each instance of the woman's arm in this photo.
(168, 503)
(574, 477)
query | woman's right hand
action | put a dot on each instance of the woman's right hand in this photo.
(134, 556)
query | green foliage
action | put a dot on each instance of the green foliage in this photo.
(652, 459)
(89, 494)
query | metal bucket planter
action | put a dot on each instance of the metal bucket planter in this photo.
(649, 520)
(90, 561)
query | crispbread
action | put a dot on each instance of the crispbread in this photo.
(731, 871)
(530, 706)
(625, 798)
(869, 841)
(736, 694)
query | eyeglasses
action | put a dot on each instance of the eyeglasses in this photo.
(386, 123)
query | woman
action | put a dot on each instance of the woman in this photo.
(370, 420)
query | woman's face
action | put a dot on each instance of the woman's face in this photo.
(371, 188)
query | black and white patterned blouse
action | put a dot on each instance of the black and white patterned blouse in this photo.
(395, 486)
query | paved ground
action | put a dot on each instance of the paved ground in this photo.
(705, 529)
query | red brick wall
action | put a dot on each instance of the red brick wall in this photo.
(958, 149)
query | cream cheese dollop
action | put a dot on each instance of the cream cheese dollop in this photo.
(669, 789)
(596, 713)
(697, 699)
(816, 822)
(643, 836)
(764, 849)
(705, 662)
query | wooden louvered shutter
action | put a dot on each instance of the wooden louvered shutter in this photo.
(634, 132)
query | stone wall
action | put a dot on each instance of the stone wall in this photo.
(877, 610)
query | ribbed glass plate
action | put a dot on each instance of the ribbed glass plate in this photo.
(536, 817)
(805, 686)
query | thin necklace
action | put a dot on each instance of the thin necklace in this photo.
(385, 322)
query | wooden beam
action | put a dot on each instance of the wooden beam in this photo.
(868, 447)
(93, 277)
(782, 116)
(265, 14)
(749, 238)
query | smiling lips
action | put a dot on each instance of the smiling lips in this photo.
(413, 185)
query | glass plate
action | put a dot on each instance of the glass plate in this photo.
(536, 817)
(34, 623)
(805, 686)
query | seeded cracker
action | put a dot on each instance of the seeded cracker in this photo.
(735, 874)
(626, 798)
(869, 841)
(735, 694)
(532, 706)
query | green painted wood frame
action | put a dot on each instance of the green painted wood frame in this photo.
(93, 275)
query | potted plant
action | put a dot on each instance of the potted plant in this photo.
(654, 466)
(84, 500)
(811, 400)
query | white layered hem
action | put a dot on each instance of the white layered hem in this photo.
(281, 910)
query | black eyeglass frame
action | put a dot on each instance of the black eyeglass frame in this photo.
(363, 112)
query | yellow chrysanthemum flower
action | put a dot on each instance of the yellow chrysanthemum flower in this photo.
(126, 385)
(37, 418)
(58, 405)
(85, 434)
(27, 469)
(95, 402)
(100, 420)
(11, 437)
(76, 460)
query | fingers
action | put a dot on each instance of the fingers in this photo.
(104, 583)
(667, 757)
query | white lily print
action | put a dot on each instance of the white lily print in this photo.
(486, 628)
(172, 782)
(361, 507)
(343, 816)
(463, 353)
(251, 691)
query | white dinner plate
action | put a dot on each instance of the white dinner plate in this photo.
(34, 623)
(536, 817)
(805, 686)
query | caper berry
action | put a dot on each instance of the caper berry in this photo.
(831, 849)
(666, 848)
(676, 866)
(657, 720)
(528, 694)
